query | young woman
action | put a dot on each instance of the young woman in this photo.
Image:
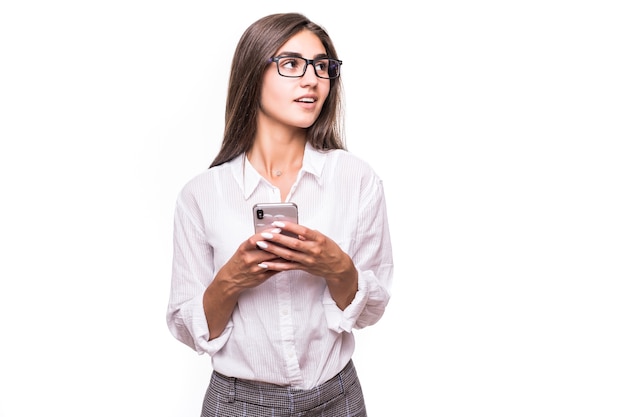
(277, 313)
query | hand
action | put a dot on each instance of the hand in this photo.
(243, 270)
(314, 253)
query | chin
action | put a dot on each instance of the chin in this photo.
(305, 124)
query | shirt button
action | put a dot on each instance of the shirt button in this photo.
(284, 312)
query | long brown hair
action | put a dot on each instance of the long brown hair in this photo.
(257, 44)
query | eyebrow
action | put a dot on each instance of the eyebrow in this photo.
(288, 53)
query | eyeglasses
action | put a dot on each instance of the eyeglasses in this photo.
(295, 66)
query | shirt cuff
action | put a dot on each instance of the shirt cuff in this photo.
(200, 330)
(344, 320)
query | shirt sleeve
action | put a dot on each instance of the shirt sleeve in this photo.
(192, 271)
(372, 256)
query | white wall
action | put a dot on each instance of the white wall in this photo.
(498, 128)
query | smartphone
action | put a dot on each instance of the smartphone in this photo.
(266, 213)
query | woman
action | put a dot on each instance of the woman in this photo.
(276, 313)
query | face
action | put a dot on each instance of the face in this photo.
(294, 102)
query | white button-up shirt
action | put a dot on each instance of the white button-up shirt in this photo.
(288, 330)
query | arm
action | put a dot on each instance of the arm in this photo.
(192, 271)
(242, 271)
(373, 258)
(201, 299)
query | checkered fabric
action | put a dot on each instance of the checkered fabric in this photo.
(341, 396)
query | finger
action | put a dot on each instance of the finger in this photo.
(278, 244)
(294, 228)
(303, 232)
(279, 265)
(264, 271)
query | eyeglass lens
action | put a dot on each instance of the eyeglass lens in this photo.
(296, 67)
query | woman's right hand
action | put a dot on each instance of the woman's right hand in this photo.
(239, 273)
(245, 268)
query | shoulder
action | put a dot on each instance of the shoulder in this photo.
(342, 161)
(209, 180)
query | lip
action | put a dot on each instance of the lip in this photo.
(307, 96)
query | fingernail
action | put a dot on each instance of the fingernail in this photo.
(261, 244)
(276, 230)
(262, 266)
(278, 224)
(267, 235)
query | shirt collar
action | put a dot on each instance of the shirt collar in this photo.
(249, 179)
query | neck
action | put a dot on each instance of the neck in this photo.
(274, 159)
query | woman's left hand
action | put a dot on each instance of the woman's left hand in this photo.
(315, 253)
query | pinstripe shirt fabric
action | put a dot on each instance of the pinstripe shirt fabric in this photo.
(287, 331)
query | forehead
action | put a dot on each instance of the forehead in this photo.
(305, 43)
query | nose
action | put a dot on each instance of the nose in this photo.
(309, 76)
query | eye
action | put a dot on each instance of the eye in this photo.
(321, 65)
(290, 63)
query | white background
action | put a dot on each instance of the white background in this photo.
(498, 128)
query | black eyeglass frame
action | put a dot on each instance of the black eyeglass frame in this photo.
(308, 62)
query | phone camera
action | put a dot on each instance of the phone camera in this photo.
(259, 214)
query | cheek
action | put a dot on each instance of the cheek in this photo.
(325, 91)
(270, 101)
(271, 94)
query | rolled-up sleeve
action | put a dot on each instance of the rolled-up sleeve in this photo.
(372, 256)
(192, 271)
